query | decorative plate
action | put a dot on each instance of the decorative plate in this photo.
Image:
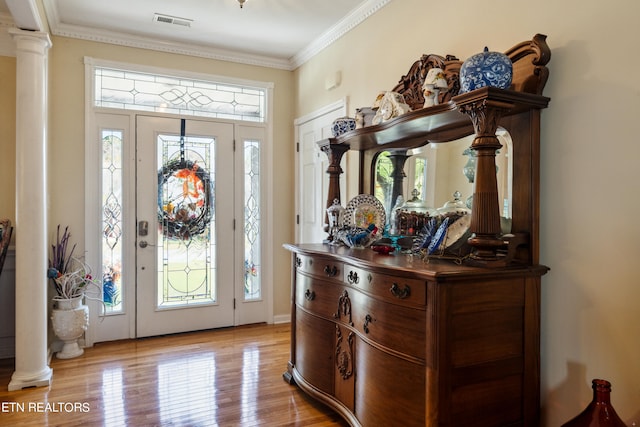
(363, 210)
(457, 230)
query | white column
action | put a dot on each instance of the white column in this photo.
(32, 367)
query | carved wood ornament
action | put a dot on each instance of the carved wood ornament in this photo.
(344, 354)
(530, 73)
(344, 308)
(410, 85)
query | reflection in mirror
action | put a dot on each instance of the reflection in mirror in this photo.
(383, 184)
(386, 189)
(504, 165)
(445, 163)
(438, 170)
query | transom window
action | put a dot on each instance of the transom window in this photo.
(134, 90)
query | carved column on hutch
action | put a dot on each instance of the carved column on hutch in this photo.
(334, 153)
(485, 112)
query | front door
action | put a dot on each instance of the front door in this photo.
(185, 225)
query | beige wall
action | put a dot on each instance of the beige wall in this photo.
(8, 138)
(66, 137)
(589, 231)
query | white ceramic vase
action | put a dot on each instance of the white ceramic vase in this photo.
(70, 319)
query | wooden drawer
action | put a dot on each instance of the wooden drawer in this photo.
(319, 267)
(401, 329)
(320, 297)
(394, 289)
(397, 329)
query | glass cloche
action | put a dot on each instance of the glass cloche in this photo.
(410, 217)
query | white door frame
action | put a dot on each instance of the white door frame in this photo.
(123, 326)
(338, 108)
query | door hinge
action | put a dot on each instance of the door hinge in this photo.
(234, 223)
(298, 219)
(297, 147)
(234, 145)
(234, 303)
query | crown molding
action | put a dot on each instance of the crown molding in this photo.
(111, 37)
(348, 23)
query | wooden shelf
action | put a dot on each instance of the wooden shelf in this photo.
(440, 123)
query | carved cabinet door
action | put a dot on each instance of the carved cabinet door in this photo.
(398, 397)
(314, 350)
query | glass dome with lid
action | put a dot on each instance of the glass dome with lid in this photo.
(454, 207)
(411, 216)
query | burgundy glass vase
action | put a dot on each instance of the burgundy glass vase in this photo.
(599, 413)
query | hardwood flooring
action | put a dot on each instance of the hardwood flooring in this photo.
(224, 377)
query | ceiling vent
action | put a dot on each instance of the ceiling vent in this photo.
(166, 19)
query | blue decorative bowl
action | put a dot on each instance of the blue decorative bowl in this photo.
(486, 69)
(342, 125)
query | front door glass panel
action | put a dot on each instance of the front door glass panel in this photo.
(186, 216)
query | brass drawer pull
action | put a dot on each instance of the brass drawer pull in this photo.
(400, 293)
(298, 262)
(367, 319)
(331, 271)
(309, 295)
(353, 278)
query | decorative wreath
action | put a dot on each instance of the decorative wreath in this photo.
(184, 199)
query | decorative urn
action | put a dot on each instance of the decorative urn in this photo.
(70, 320)
(486, 69)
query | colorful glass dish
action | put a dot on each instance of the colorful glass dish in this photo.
(363, 210)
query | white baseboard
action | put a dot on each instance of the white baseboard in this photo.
(282, 318)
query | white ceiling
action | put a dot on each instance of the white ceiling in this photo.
(273, 33)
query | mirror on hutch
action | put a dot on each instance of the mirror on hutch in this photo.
(402, 340)
(435, 173)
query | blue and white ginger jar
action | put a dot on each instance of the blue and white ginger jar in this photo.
(486, 69)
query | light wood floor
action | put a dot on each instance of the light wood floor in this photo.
(225, 377)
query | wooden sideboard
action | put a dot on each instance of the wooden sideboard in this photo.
(396, 340)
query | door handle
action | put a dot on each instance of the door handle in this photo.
(143, 244)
